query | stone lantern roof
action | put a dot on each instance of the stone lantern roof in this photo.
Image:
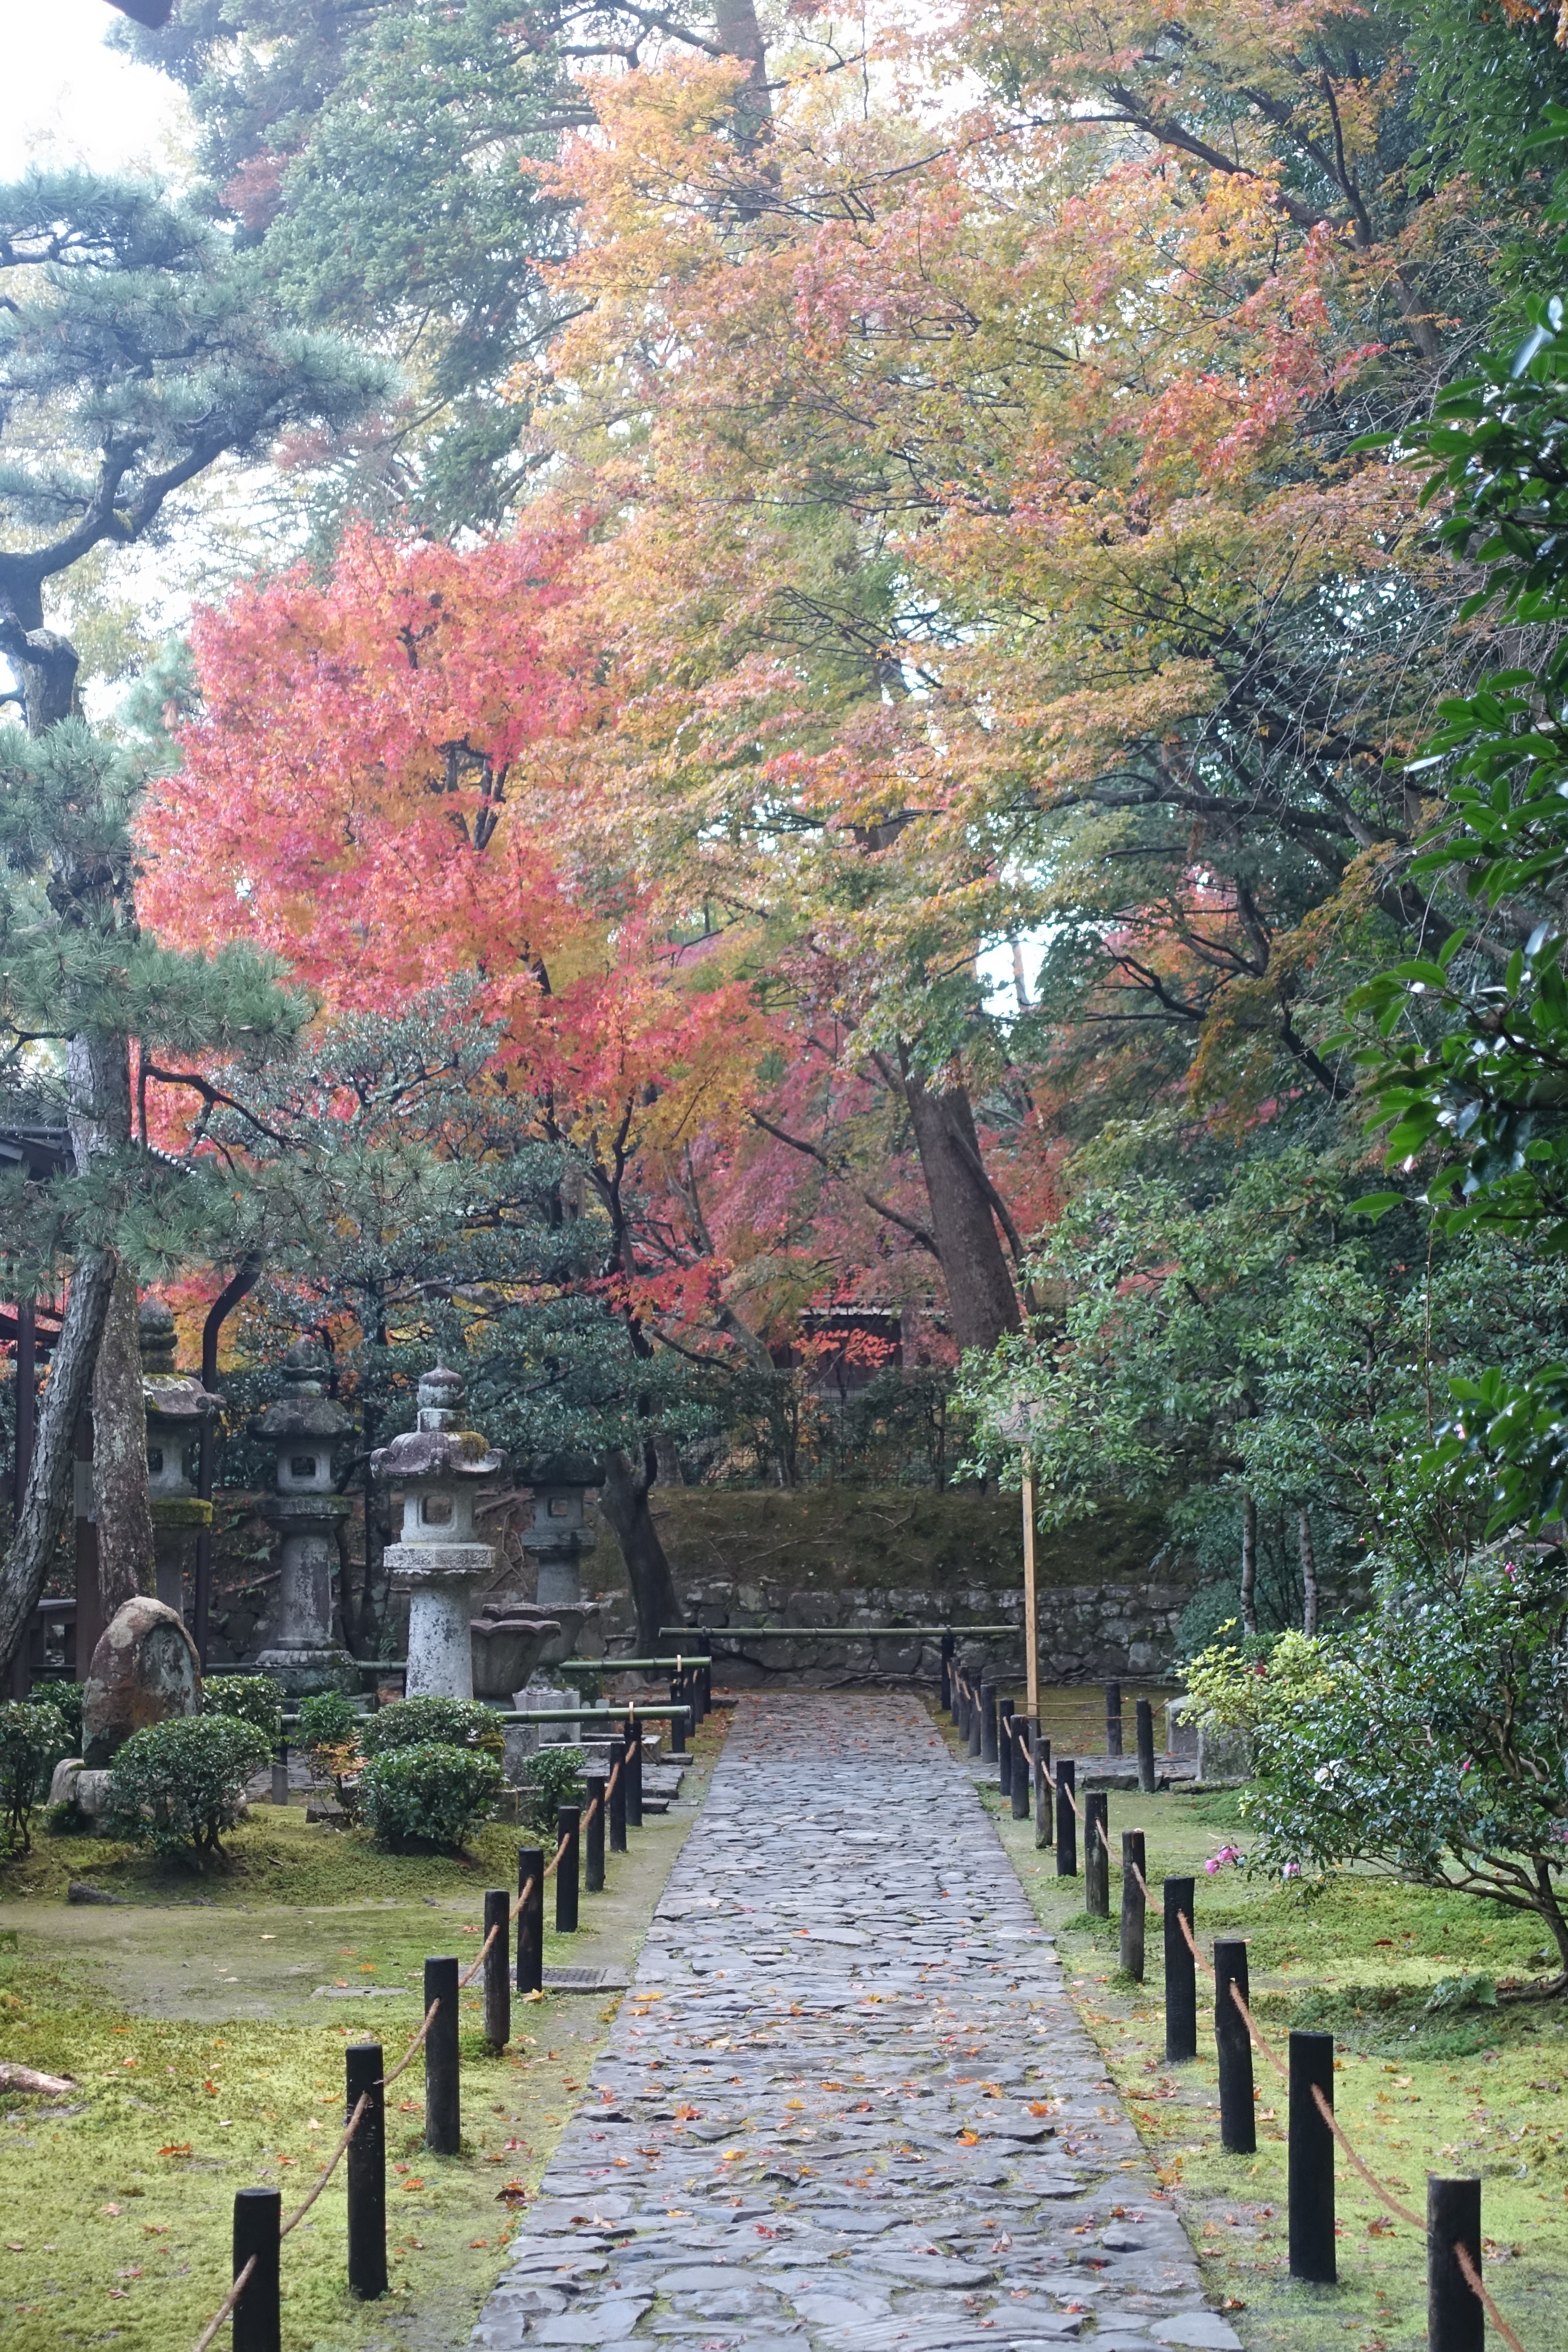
(168, 1395)
(304, 1410)
(437, 1450)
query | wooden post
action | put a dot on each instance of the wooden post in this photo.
(366, 2174)
(1031, 1611)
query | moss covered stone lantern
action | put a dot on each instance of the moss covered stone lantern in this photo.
(302, 1426)
(442, 1470)
(176, 1406)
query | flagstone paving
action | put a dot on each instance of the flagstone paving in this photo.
(846, 2106)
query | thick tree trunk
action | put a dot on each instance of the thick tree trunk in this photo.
(1248, 1565)
(739, 35)
(47, 1504)
(99, 1069)
(622, 1498)
(1309, 1571)
(126, 1563)
(982, 1303)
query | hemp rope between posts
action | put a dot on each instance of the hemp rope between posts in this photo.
(363, 2104)
(1468, 2270)
(1384, 2194)
(230, 2299)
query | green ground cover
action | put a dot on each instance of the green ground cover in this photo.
(1474, 2089)
(204, 2021)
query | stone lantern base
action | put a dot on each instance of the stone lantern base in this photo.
(441, 1581)
(303, 1672)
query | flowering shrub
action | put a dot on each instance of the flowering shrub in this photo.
(1429, 1740)
(1228, 1857)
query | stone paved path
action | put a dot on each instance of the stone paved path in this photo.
(846, 2106)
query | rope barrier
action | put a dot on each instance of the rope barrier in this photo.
(362, 2106)
(230, 2299)
(407, 2058)
(1385, 2195)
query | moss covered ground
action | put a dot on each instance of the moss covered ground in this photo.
(204, 2020)
(1471, 2090)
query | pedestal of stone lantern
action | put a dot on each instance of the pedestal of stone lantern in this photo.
(302, 1425)
(177, 1407)
(442, 1470)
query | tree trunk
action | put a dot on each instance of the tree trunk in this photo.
(126, 1564)
(738, 34)
(623, 1498)
(98, 1072)
(47, 1504)
(981, 1304)
(1309, 1571)
(1248, 1565)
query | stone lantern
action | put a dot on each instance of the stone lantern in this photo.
(562, 1536)
(177, 1406)
(302, 1426)
(442, 1469)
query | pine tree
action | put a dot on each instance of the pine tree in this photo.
(136, 350)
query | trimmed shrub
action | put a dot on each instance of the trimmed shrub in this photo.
(32, 1740)
(253, 1698)
(330, 1728)
(180, 1784)
(66, 1700)
(427, 1722)
(555, 1778)
(432, 1794)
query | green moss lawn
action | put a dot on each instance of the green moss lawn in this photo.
(204, 2021)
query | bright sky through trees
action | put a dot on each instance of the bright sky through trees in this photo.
(71, 99)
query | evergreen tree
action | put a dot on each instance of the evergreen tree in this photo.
(136, 350)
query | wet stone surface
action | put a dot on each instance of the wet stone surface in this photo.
(846, 2106)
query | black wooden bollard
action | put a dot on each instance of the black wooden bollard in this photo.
(1066, 1820)
(366, 2166)
(496, 1972)
(569, 1836)
(632, 1775)
(443, 2106)
(988, 1697)
(960, 1701)
(1311, 2160)
(1238, 2114)
(1113, 1719)
(945, 1686)
(1041, 1763)
(678, 1722)
(1181, 1975)
(617, 1796)
(706, 1638)
(1004, 1748)
(976, 1735)
(594, 1836)
(280, 1773)
(1146, 1747)
(1024, 1730)
(1133, 1871)
(1455, 2316)
(1097, 1855)
(530, 1919)
(257, 2318)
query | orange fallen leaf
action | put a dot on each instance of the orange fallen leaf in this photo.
(414, 2184)
(175, 2147)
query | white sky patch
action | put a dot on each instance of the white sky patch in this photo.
(70, 99)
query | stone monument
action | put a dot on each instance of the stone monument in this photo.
(442, 1469)
(561, 1537)
(144, 1670)
(302, 1425)
(177, 1406)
